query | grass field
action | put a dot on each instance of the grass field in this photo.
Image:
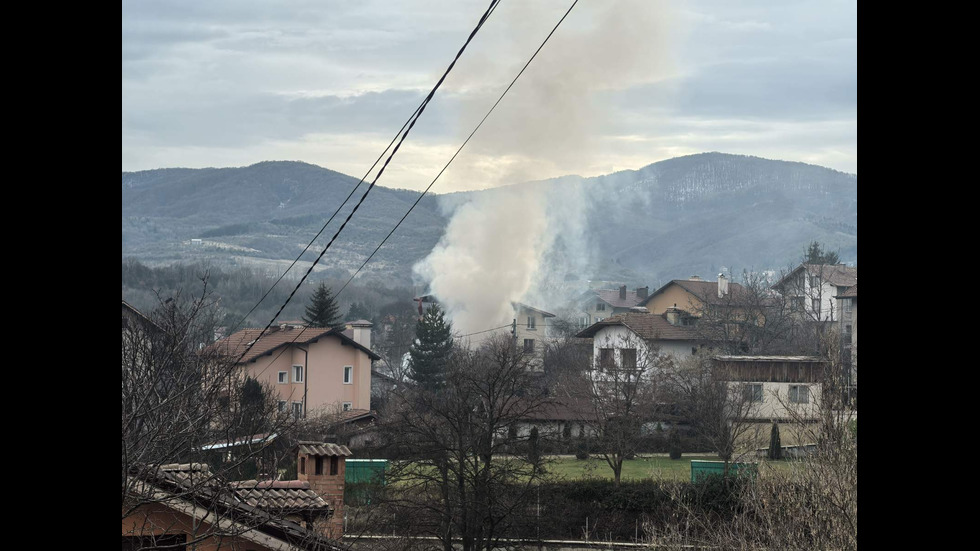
(658, 467)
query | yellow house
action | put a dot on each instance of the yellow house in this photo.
(694, 295)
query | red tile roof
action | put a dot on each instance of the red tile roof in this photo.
(646, 326)
(851, 292)
(839, 275)
(322, 448)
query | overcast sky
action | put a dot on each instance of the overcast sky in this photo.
(621, 84)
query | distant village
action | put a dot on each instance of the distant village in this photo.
(786, 349)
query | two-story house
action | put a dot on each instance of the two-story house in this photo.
(598, 304)
(781, 388)
(531, 329)
(849, 340)
(310, 368)
(640, 339)
(813, 289)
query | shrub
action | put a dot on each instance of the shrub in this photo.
(674, 445)
(582, 450)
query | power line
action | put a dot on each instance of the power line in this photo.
(383, 241)
(413, 120)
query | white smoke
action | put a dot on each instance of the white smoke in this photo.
(530, 243)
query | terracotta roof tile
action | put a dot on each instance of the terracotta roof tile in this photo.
(646, 326)
(611, 297)
(322, 448)
(279, 494)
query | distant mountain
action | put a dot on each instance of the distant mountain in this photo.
(671, 219)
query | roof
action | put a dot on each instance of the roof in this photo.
(568, 409)
(277, 338)
(839, 275)
(611, 297)
(279, 495)
(192, 489)
(322, 448)
(801, 359)
(133, 313)
(851, 292)
(521, 305)
(704, 290)
(646, 326)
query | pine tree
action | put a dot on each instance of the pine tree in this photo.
(815, 254)
(430, 350)
(322, 310)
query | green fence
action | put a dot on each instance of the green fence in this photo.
(700, 469)
(364, 479)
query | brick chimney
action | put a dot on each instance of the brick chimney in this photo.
(673, 315)
(622, 292)
(642, 292)
(323, 465)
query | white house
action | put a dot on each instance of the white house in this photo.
(783, 388)
(639, 338)
(814, 289)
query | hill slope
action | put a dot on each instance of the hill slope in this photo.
(671, 219)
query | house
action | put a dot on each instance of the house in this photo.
(695, 296)
(848, 322)
(134, 319)
(310, 368)
(186, 506)
(813, 289)
(529, 328)
(640, 338)
(531, 333)
(780, 388)
(598, 304)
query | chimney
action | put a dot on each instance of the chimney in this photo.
(361, 332)
(673, 315)
(695, 277)
(622, 292)
(323, 465)
(722, 285)
(641, 292)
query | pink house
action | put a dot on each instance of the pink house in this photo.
(311, 368)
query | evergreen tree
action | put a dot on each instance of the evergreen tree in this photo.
(359, 311)
(815, 254)
(430, 350)
(775, 447)
(322, 310)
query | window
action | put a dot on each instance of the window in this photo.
(799, 394)
(282, 406)
(297, 409)
(348, 406)
(302, 465)
(815, 303)
(814, 281)
(847, 334)
(796, 304)
(530, 322)
(600, 306)
(283, 377)
(753, 392)
(606, 360)
(334, 464)
(319, 465)
(348, 374)
(529, 345)
(297, 374)
(628, 356)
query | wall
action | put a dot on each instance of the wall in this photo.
(674, 294)
(323, 376)
(157, 519)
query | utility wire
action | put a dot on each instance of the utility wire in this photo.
(418, 113)
(460, 147)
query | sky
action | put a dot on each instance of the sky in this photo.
(621, 84)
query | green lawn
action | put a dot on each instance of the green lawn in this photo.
(643, 467)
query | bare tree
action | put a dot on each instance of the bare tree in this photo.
(181, 399)
(458, 479)
(623, 393)
(719, 410)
